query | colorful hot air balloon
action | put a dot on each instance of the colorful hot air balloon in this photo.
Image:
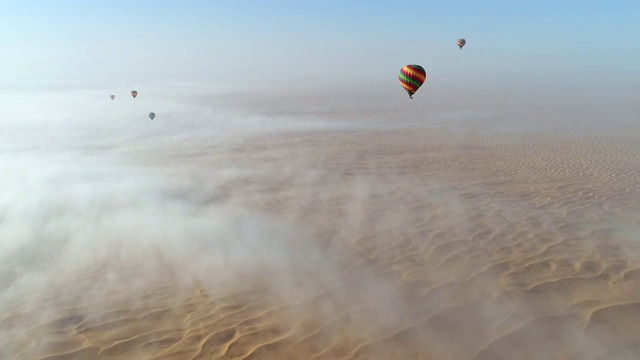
(112, 97)
(461, 42)
(152, 115)
(134, 94)
(411, 78)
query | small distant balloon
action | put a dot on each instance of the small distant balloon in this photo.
(112, 97)
(461, 42)
(411, 77)
(134, 94)
(152, 115)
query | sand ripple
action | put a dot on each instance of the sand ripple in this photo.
(442, 246)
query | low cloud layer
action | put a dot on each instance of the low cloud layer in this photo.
(100, 201)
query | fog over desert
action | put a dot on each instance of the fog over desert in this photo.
(318, 225)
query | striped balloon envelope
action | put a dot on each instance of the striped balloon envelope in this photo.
(461, 42)
(411, 77)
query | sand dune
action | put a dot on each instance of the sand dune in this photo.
(427, 244)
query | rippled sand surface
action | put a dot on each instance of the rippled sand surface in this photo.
(421, 243)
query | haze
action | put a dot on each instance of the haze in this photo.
(289, 201)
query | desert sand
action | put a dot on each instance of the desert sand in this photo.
(432, 242)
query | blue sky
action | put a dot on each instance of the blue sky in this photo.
(305, 43)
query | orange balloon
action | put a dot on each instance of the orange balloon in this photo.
(134, 94)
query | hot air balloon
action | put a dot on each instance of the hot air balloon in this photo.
(112, 97)
(152, 115)
(411, 78)
(461, 42)
(134, 94)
